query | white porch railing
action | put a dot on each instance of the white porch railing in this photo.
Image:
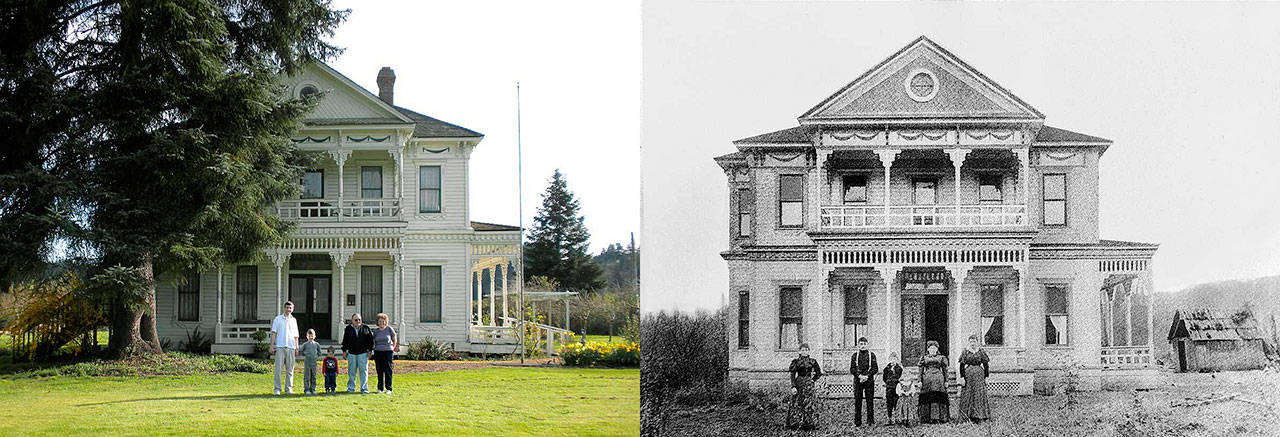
(240, 333)
(330, 210)
(1126, 356)
(549, 336)
(867, 216)
(494, 334)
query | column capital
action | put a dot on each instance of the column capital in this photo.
(396, 155)
(888, 272)
(341, 257)
(959, 272)
(340, 156)
(279, 257)
(1022, 153)
(957, 156)
(887, 156)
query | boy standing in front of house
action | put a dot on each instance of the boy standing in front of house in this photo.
(330, 371)
(311, 351)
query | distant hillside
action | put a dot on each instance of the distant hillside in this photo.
(1261, 294)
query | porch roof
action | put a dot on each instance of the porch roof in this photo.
(1048, 135)
(492, 227)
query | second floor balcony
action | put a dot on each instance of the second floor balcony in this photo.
(320, 210)
(922, 189)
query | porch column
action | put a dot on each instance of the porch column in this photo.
(340, 157)
(889, 274)
(1147, 289)
(820, 188)
(397, 155)
(340, 259)
(479, 277)
(217, 330)
(886, 160)
(957, 160)
(493, 276)
(566, 315)
(1111, 316)
(279, 257)
(396, 275)
(1128, 313)
(1022, 302)
(958, 274)
(1024, 172)
(505, 279)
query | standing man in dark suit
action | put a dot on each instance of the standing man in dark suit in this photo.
(357, 341)
(863, 367)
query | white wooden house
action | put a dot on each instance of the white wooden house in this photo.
(383, 227)
(987, 225)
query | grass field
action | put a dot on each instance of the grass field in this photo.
(1169, 410)
(485, 401)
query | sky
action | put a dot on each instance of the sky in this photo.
(578, 64)
(1189, 93)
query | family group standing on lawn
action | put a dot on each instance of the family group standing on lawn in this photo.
(358, 341)
(928, 392)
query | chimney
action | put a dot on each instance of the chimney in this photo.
(386, 82)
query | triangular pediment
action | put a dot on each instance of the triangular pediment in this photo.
(921, 82)
(344, 99)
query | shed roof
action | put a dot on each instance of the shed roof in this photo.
(1207, 324)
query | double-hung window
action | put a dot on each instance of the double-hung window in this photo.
(790, 318)
(990, 188)
(371, 182)
(429, 293)
(744, 319)
(371, 289)
(744, 212)
(1055, 315)
(791, 201)
(429, 188)
(855, 314)
(993, 314)
(247, 293)
(189, 298)
(1054, 189)
(855, 188)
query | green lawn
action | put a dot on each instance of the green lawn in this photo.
(489, 401)
(600, 338)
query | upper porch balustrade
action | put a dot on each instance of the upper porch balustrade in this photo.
(934, 216)
(320, 210)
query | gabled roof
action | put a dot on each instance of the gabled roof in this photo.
(1050, 134)
(961, 91)
(1204, 324)
(798, 134)
(429, 127)
(492, 227)
(390, 112)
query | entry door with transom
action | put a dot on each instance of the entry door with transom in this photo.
(311, 306)
(924, 313)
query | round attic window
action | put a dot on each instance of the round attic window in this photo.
(308, 90)
(921, 85)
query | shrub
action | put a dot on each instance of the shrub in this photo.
(260, 347)
(46, 314)
(607, 354)
(197, 342)
(684, 358)
(173, 363)
(430, 350)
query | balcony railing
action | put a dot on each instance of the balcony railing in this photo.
(870, 216)
(1126, 356)
(331, 210)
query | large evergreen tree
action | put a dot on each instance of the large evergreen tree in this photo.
(149, 136)
(558, 240)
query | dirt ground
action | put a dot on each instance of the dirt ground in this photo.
(1175, 408)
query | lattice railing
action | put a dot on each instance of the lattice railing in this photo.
(923, 216)
(1126, 356)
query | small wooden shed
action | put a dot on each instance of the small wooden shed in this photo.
(1208, 340)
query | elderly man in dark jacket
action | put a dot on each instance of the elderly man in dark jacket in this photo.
(863, 367)
(357, 341)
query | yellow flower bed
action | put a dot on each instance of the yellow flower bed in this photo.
(599, 353)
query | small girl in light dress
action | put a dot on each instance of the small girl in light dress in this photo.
(908, 391)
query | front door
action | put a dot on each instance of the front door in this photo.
(924, 318)
(311, 306)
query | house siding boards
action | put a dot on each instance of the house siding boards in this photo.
(995, 242)
(352, 129)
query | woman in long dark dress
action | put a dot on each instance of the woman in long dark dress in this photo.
(975, 403)
(804, 371)
(935, 406)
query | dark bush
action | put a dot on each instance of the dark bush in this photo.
(430, 350)
(197, 342)
(684, 358)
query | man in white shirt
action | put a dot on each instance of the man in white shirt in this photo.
(284, 345)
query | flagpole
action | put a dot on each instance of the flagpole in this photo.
(520, 244)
